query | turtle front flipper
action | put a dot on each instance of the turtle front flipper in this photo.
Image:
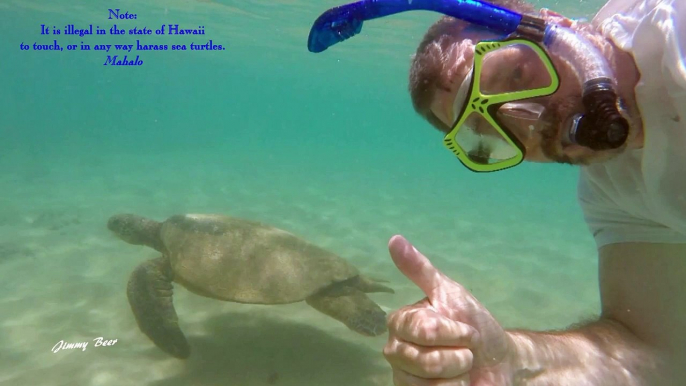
(150, 296)
(353, 308)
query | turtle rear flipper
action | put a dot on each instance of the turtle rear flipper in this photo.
(150, 296)
(369, 285)
(353, 308)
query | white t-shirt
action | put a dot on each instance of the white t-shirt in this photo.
(640, 196)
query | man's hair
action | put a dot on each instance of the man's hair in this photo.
(434, 63)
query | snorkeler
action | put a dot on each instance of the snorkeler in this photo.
(506, 85)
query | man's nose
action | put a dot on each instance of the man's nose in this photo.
(522, 128)
(520, 118)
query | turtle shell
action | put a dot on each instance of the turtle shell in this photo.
(245, 261)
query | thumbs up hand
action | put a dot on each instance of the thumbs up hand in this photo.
(448, 338)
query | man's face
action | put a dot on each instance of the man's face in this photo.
(543, 137)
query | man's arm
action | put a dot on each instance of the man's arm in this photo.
(639, 339)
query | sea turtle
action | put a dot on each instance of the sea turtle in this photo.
(242, 261)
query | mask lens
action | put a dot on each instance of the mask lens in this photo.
(482, 143)
(512, 68)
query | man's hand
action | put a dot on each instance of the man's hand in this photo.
(446, 339)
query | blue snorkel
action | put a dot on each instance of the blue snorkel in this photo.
(342, 22)
(601, 127)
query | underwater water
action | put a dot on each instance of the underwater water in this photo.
(326, 146)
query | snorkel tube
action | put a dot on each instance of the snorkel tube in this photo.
(601, 127)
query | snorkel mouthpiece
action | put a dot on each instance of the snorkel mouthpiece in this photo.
(335, 25)
(602, 127)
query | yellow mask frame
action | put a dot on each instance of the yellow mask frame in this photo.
(479, 103)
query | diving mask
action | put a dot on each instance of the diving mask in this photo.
(508, 81)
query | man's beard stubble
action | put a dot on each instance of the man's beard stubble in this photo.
(552, 132)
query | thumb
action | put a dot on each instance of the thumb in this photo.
(419, 269)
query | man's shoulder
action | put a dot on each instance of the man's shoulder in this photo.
(629, 8)
(620, 20)
(615, 7)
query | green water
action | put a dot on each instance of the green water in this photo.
(326, 146)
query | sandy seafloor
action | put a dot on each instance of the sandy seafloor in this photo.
(63, 275)
(266, 132)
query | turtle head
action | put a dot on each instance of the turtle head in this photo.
(136, 230)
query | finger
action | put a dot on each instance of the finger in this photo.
(428, 362)
(426, 327)
(401, 378)
(419, 269)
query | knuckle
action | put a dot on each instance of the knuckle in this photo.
(391, 322)
(428, 331)
(431, 364)
(394, 319)
(390, 350)
(401, 318)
